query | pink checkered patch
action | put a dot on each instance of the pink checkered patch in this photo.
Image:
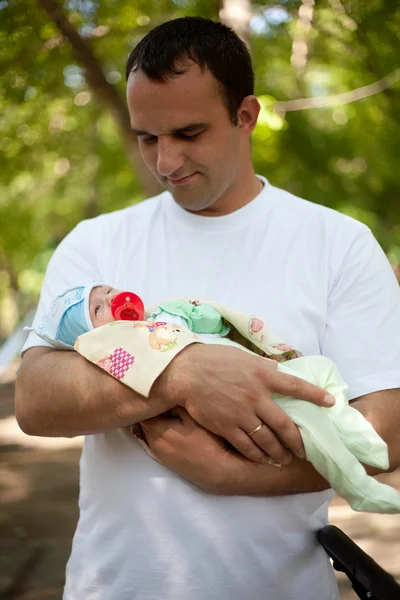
(121, 361)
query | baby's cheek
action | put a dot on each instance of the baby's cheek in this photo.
(108, 316)
(103, 317)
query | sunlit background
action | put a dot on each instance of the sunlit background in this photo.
(327, 78)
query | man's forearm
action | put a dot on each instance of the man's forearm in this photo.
(382, 410)
(60, 394)
(254, 479)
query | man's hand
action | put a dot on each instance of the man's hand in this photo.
(229, 392)
(188, 449)
(205, 460)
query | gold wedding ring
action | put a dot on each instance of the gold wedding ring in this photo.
(256, 429)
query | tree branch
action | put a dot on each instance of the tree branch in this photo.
(339, 99)
(56, 42)
(106, 93)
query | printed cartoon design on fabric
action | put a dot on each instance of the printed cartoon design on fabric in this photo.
(152, 326)
(256, 329)
(117, 363)
(256, 325)
(105, 364)
(286, 352)
(162, 336)
(237, 337)
(194, 302)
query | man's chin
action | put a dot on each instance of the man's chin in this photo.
(191, 204)
(189, 196)
(190, 199)
(194, 201)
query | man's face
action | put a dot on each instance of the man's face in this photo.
(186, 137)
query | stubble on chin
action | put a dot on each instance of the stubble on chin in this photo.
(193, 202)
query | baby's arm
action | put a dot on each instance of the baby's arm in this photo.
(356, 432)
(334, 438)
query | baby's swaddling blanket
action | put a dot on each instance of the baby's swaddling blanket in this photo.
(336, 439)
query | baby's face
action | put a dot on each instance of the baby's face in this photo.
(100, 300)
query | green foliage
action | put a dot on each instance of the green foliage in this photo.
(62, 158)
(346, 156)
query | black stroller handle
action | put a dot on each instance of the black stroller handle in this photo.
(368, 579)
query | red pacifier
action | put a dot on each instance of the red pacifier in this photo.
(127, 306)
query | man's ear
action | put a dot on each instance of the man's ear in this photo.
(248, 114)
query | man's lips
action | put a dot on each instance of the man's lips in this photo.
(181, 180)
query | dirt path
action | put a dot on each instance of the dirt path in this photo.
(38, 514)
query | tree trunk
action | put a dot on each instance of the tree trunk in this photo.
(302, 35)
(237, 14)
(106, 93)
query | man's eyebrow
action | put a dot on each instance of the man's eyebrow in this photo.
(139, 132)
(186, 128)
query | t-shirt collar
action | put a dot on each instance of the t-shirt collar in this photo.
(233, 220)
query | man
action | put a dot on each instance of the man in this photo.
(245, 528)
(396, 269)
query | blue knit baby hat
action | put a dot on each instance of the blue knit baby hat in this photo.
(73, 321)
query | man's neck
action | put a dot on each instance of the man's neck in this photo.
(244, 191)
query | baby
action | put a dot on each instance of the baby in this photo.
(111, 328)
(80, 310)
(85, 308)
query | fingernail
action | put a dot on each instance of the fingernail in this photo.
(329, 400)
(301, 453)
(287, 459)
(273, 462)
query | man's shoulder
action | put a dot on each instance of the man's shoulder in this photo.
(315, 216)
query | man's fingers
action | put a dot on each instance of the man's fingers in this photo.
(266, 439)
(289, 385)
(270, 363)
(245, 445)
(158, 426)
(286, 433)
(183, 415)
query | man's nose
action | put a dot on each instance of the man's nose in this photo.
(170, 156)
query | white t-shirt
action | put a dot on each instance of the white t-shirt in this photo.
(322, 283)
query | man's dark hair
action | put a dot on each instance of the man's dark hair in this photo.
(211, 45)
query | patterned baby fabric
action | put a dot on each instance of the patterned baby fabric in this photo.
(137, 352)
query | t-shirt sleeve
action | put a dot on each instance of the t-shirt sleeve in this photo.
(72, 264)
(363, 319)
